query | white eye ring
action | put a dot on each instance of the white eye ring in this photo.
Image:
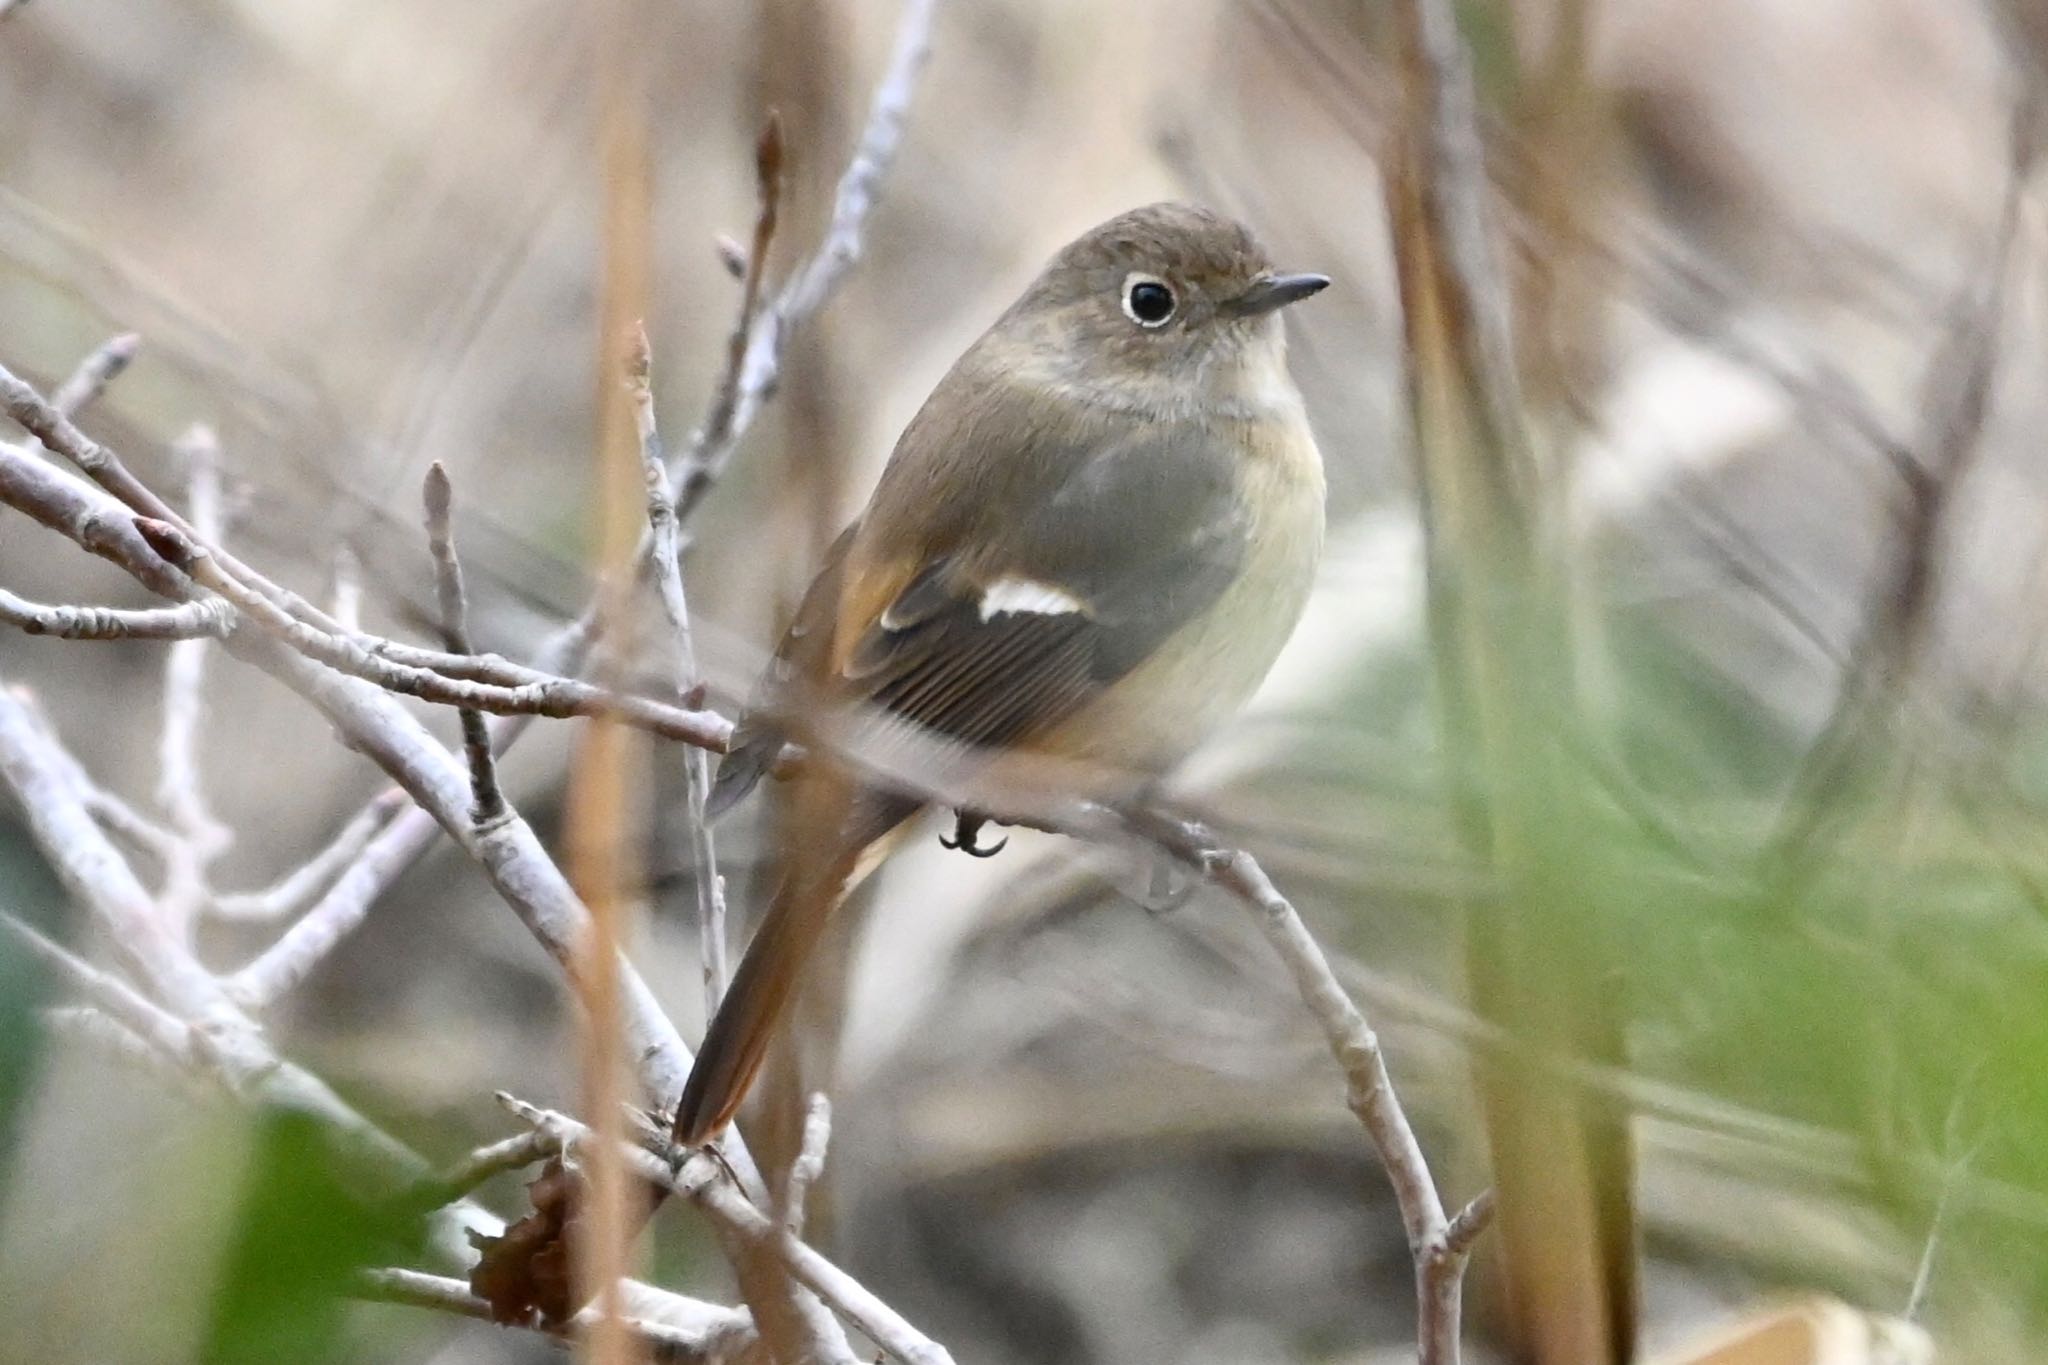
(1138, 280)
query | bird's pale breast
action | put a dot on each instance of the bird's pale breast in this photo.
(1204, 673)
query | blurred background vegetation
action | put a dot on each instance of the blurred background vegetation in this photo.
(1760, 256)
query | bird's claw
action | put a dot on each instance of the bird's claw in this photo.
(967, 836)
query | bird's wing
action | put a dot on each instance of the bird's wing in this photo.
(995, 640)
(801, 659)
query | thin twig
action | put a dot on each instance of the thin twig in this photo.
(508, 1154)
(373, 723)
(557, 697)
(699, 467)
(210, 619)
(1469, 1222)
(668, 578)
(279, 969)
(1956, 401)
(345, 589)
(438, 496)
(104, 466)
(180, 788)
(722, 1334)
(296, 889)
(433, 675)
(565, 650)
(814, 281)
(703, 1180)
(809, 1164)
(164, 1033)
(86, 383)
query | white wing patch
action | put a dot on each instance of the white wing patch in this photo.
(1024, 596)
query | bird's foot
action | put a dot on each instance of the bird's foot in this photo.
(967, 827)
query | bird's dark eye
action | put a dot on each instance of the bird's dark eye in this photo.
(1148, 301)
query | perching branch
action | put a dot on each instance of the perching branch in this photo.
(1439, 1244)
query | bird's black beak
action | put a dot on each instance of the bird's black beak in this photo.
(1274, 291)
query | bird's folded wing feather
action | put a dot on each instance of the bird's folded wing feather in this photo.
(996, 640)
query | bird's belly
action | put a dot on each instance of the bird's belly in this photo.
(1199, 677)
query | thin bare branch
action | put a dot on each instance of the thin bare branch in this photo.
(713, 1335)
(1439, 1245)
(180, 788)
(700, 464)
(86, 383)
(1956, 400)
(34, 765)
(48, 424)
(488, 803)
(372, 722)
(814, 281)
(1469, 1222)
(668, 577)
(209, 619)
(144, 1019)
(557, 697)
(296, 889)
(702, 1180)
(809, 1163)
(509, 1154)
(279, 969)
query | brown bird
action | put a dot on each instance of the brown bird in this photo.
(1084, 554)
